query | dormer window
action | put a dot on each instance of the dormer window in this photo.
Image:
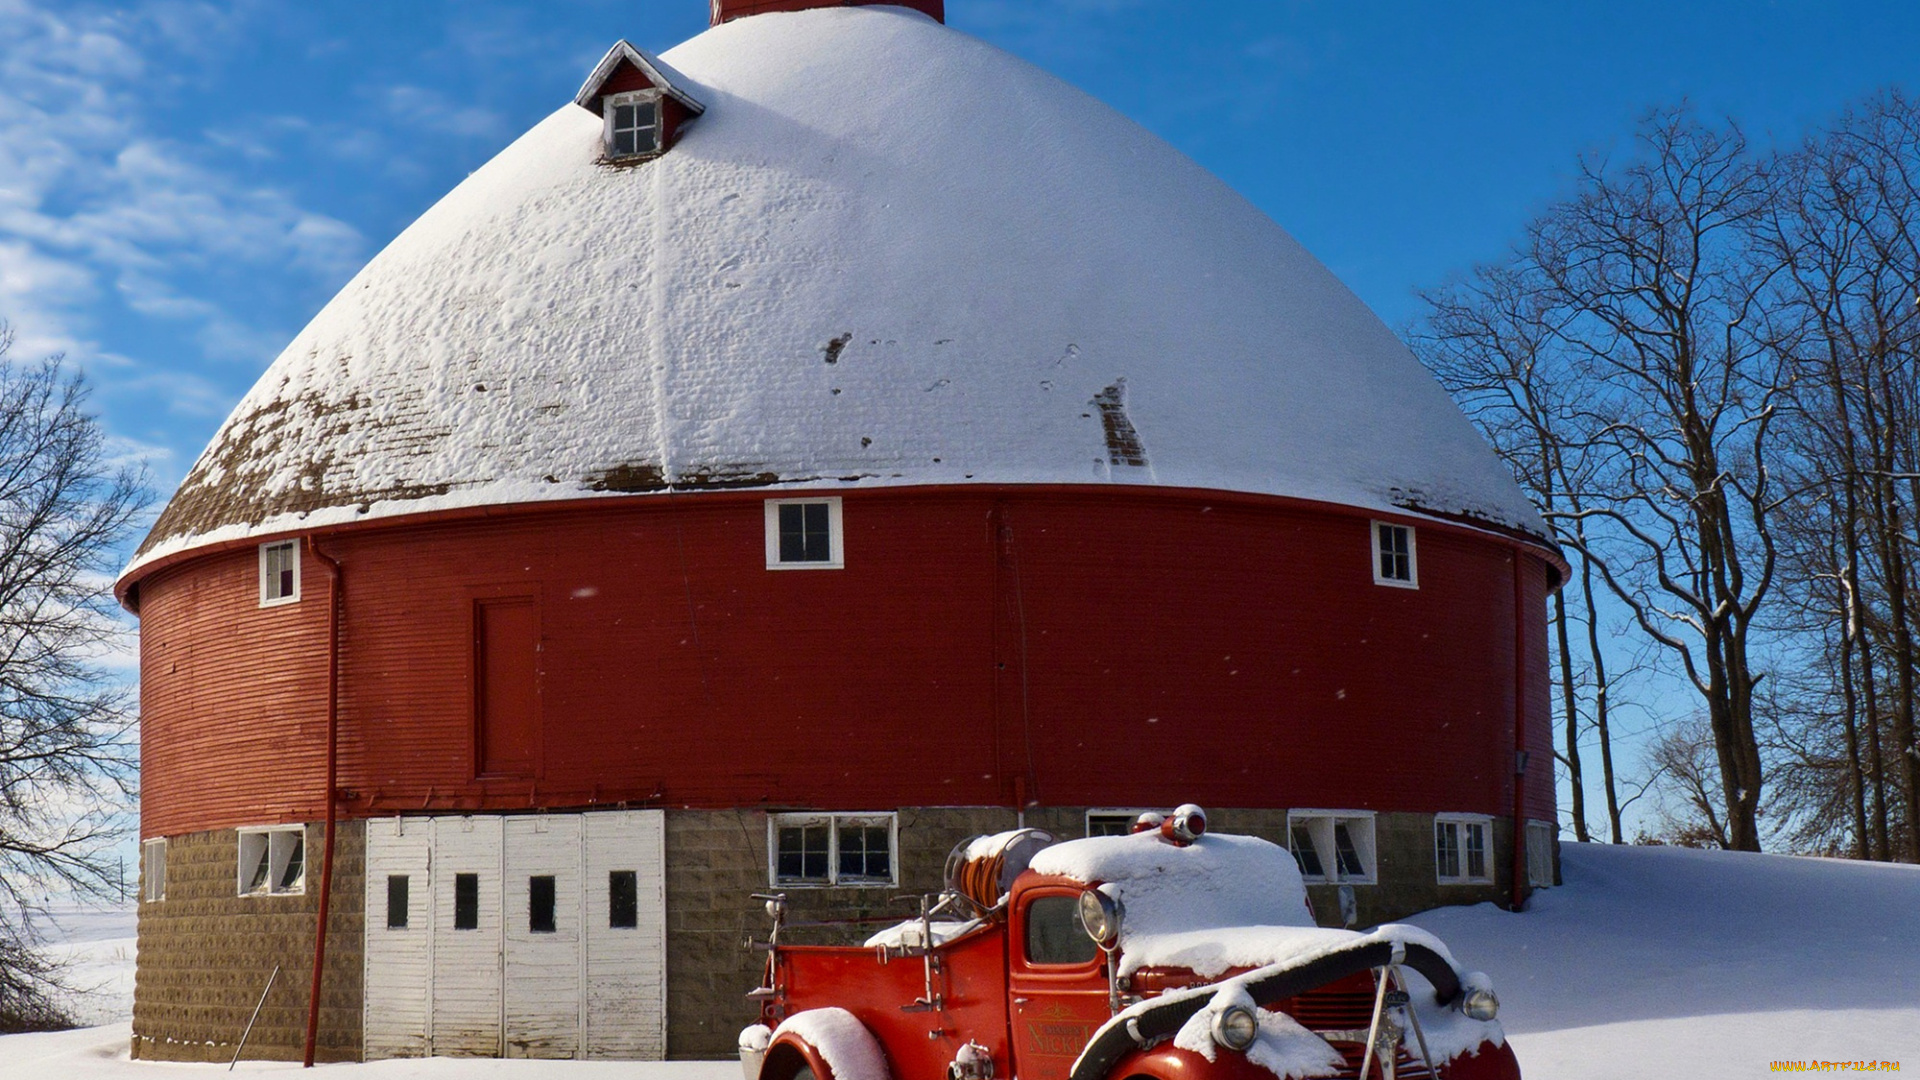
(633, 123)
(641, 104)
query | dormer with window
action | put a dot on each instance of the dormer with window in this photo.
(640, 102)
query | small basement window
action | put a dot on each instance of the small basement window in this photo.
(1460, 849)
(1333, 846)
(804, 534)
(279, 573)
(832, 849)
(633, 123)
(1111, 822)
(153, 870)
(273, 860)
(1540, 835)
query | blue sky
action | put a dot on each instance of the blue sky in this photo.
(184, 183)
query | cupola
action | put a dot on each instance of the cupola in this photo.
(729, 10)
(640, 101)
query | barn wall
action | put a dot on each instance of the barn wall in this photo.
(206, 956)
(1070, 647)
(725, 10)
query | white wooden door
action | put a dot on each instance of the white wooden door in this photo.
(543, 959)
(626, 954)
(468, 879)
(399, 963)
(480, 964)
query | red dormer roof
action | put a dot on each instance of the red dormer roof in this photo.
(728, 10)
(628, 67)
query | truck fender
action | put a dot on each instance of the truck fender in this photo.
(1165, 1061)
(830, 1043)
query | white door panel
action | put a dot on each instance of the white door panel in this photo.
(511, 983)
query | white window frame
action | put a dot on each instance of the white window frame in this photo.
(267, 599)
(279, 843)
(1132, 815)
(1460, 823)
(153, 870)
(1320, 827)
(1412, 580)
(633, 97)
(834, 821)
(835, 549)
(1540, 836)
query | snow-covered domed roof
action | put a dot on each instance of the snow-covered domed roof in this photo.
(887, 254)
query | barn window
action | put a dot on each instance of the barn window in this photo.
(1111, 822)
(1460, 846)
(1393, 556)
(540, 904)
(396, 901)
(153, 869)
(466, 901)
(832, 849)
(623, 899)
(804, 534)
(633, 124)
(273, 860)
(1333, 846)
(1540, 854)
(279, 573)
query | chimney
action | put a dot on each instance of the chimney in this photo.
(729, 10)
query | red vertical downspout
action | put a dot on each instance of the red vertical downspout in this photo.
(333, 786)
(1519, 734)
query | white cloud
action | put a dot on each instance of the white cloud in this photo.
(419, 107)
(93, 204)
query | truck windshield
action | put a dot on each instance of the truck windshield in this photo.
(1054, 934)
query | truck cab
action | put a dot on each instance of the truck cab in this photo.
(1169, 954)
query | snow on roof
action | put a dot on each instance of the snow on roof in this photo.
(657, 72)
(888, 254)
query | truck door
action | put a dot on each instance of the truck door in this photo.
(1058, 983)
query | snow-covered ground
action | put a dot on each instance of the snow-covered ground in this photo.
(1701, 964)
(1650, 962)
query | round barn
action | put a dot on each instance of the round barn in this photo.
(824, 441)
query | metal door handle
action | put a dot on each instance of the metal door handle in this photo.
(1019, 1001)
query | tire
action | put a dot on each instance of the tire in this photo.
(805, 1073)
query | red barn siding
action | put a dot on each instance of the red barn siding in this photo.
(725, 10)
(1080, 646)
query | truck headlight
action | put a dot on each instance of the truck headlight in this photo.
(1235, 1027)
(1480, 1004)
(1100, 916)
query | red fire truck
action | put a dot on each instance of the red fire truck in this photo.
(1168, 954)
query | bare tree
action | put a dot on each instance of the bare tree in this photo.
(1686, 770)
(1642, 364)
(1491, 341)
(67, 752)
(1846, 229)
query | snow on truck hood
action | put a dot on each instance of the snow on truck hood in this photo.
(1221, 902)
(840, 277)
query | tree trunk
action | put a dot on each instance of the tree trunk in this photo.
(1601, 703)
(1572, 714)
